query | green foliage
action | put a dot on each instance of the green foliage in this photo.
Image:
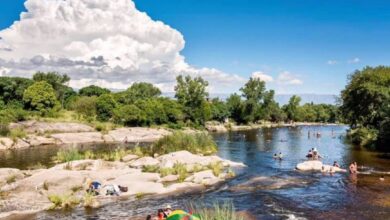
(12, 89)
(365, 104)
(57, 81)
(17, 133)
(4, 130)
(71, 154)
(219, 110)
(364, 136)
(93, 90)
(10, 179)
(40, 97)
(166, 171)
(180, 170)
(216, 167)
(138, 91)
(67, 155)
(219, 211)
(85, 107)
(129, 115)
(64, 201)
(195, 143)
(292, 109)
(105, 105)
(151, 169)
(191, 94)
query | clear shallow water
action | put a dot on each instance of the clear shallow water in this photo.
(270, 189)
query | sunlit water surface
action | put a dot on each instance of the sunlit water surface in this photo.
(272, 189)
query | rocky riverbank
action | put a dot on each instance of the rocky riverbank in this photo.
(226, 127)
(29, 190)
(64, 133)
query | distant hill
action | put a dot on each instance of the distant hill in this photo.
(283, 98)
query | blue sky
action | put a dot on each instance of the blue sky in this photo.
(318, 42)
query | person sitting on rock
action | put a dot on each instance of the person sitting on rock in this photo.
(310, 154)
(335, 164)
(168, 210)
(93, 188)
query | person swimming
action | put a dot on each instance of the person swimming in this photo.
(353, 168)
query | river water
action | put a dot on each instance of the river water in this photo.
(272, 189)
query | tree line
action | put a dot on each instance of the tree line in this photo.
(142, 104)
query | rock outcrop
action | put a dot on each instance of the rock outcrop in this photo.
(29, 190)
(316, 165)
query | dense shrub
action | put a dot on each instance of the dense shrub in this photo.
(40, 97)
(105, 105)
(129, 115)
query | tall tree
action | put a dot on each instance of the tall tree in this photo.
(58, 82)
(93, 90)
(40, 97)
(292, 108)
(191, 93)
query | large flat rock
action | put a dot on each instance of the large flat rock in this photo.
(79, 138)
(51, 127)
(137, 134)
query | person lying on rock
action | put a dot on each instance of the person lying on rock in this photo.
(310, 154)
(113, 189)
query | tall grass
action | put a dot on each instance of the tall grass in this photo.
(68, 155)
(63, 201)
(225, 211)
(198, 143)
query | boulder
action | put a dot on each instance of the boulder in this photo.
(144, 161)
(129, 158)
(137, 134)
(6, 143)
(79, 138)
(204, 177)
(169, 178)
(185, 186)
(186, 158)
(216, 128)
(35, 140)
(19, 144)
(316, 165)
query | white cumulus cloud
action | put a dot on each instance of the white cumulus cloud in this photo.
(262, 76)
(286, 78)
(354, 60)
(332, 62)
(105, 42)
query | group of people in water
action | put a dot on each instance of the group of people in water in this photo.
(313, 154)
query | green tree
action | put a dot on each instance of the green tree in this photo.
(235, 106)
(40, 97)
(129, 115)
(137, 91)
(93, 90)
(12, 89)
(105, 105)
(292, 109)
(219, 110)
(191, 93)
(58, 82)
(85, 106)
(365, 104)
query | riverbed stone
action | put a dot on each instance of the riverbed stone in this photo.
(144, 161)
(35, 140)
(316, 165)
(79, 138)
(169, 178)
(6, 143)
(204, 177)
(137, 134)
(129, 157)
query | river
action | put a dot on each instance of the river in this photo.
(272, 189)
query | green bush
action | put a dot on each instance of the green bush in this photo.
(219, 211)
(4, 130)
(151, 169)
(364, 136)
(129, 115)
(40, 97)
(180, 170)
(105, 105)
(68, 155)
(198, 143)
(64, 201)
